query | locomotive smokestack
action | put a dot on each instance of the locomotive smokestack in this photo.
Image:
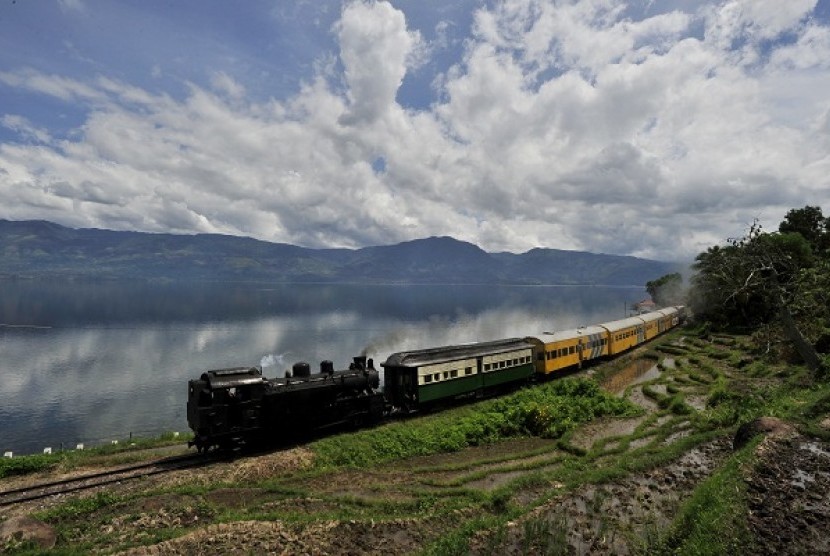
(360, 362)
(326, 367)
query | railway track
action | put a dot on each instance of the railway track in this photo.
(103, 478)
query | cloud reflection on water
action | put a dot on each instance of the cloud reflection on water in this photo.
(93, 379)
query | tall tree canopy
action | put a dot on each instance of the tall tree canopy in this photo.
(811, 224)
(770, 280)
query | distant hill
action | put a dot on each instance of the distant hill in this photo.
(44, 250)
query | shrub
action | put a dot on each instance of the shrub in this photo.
(26, 464)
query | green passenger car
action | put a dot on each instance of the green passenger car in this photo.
(415, 378)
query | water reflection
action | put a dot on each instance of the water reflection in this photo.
(115, 359)
(636, 372)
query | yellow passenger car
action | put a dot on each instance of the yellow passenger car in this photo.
(651, 324)
(568, 348)
(668, 319)
(624, 334)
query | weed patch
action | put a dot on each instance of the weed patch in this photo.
(77, 507)
(672, 349)
(26, 464)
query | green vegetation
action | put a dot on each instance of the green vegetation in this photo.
(27, 464)
(79, 507)
(712, 521)
(547, 411)
(774, 285)
(124, 452)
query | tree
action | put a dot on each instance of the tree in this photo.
(723, 289)
(811, 224)
(752, 281)
(667, 290)
(811, 305)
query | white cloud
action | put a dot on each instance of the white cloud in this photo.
(375, 47)
(566, 125)
(60, 87)
(25, 129)
(754, 20)
(224, 83)
(72, 5)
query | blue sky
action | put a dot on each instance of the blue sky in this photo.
(644, 127)
(271, 47)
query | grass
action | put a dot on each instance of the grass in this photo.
(121, 453)
(548, 410)
(672, 350)
(472, 463)
(456, 541)
(713, 520)
(23, 465)
(545, 535)
(673, 400)
(76, 507)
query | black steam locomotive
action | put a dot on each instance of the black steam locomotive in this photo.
(238, 406)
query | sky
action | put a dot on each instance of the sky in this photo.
(647, 128)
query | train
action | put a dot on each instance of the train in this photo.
(232, 407)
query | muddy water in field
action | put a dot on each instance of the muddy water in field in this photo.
(636, 372)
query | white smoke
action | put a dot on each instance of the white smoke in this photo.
(273, 360)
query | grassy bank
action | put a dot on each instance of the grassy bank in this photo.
(547, 410)
(122, 452)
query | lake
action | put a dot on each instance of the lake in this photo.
(93, 363)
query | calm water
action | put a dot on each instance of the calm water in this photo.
(91, 363)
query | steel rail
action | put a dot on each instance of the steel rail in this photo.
(102, 478)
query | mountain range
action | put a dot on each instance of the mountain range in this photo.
(35, 249)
